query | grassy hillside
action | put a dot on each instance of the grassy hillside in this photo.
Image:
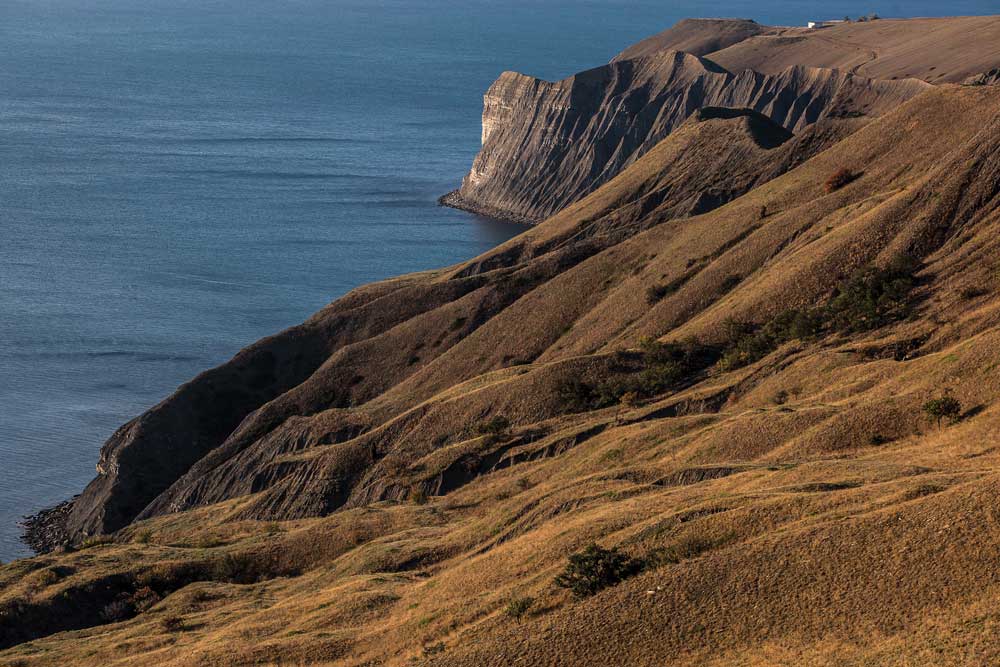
(736, 406)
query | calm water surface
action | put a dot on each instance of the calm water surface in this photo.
(178, 179)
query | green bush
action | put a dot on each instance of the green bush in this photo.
(872, 298)
(655, 368)
(595, 568)
(518, 607)
(946, 407)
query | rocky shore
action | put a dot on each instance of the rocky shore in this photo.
(46, 530)
(454, 199)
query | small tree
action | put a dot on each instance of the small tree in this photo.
(595, 568)
(941, 408)
(518, 607)
(626, 402)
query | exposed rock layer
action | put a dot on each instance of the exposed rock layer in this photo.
(546, 145)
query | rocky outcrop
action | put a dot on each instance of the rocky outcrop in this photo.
(990, 78)
(546, 145)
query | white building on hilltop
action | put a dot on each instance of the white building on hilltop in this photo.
(823, 24)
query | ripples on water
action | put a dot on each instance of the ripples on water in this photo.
(179, 178)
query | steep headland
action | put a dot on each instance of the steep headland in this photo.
(756, 356)
(545, 144)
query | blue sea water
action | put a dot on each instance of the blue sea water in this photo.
(179, 178)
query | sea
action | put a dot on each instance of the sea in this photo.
(179, 178)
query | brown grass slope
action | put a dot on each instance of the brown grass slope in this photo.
(698, 37)
(936, 50)
(802, 509)
(733, 150)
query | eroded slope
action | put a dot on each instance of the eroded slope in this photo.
(796, 506)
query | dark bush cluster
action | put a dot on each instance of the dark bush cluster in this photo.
(746, 343)
(687, 548)
(495, 429)
(595, 568)
(653, 369)
(872, 298)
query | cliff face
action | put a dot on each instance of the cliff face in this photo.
(545, 145)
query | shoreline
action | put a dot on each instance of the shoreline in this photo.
(45, 530)
(455, 200)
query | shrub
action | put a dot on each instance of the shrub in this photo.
(116, 610)
(872, 298)
(518, 607)
(595, 568)
(683, 549)
(576, 395)
(729, 283)
(941, 408)
(417, 495)
(144, 598)
(434, 649)
(839, 179)
(172, 623)
(655, 368)
(96, 541)
(656, 293)
(143, 536)
(973, 292)
(498, 425)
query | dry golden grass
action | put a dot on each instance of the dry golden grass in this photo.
(817, 516)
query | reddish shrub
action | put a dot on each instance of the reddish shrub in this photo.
(839, 179)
